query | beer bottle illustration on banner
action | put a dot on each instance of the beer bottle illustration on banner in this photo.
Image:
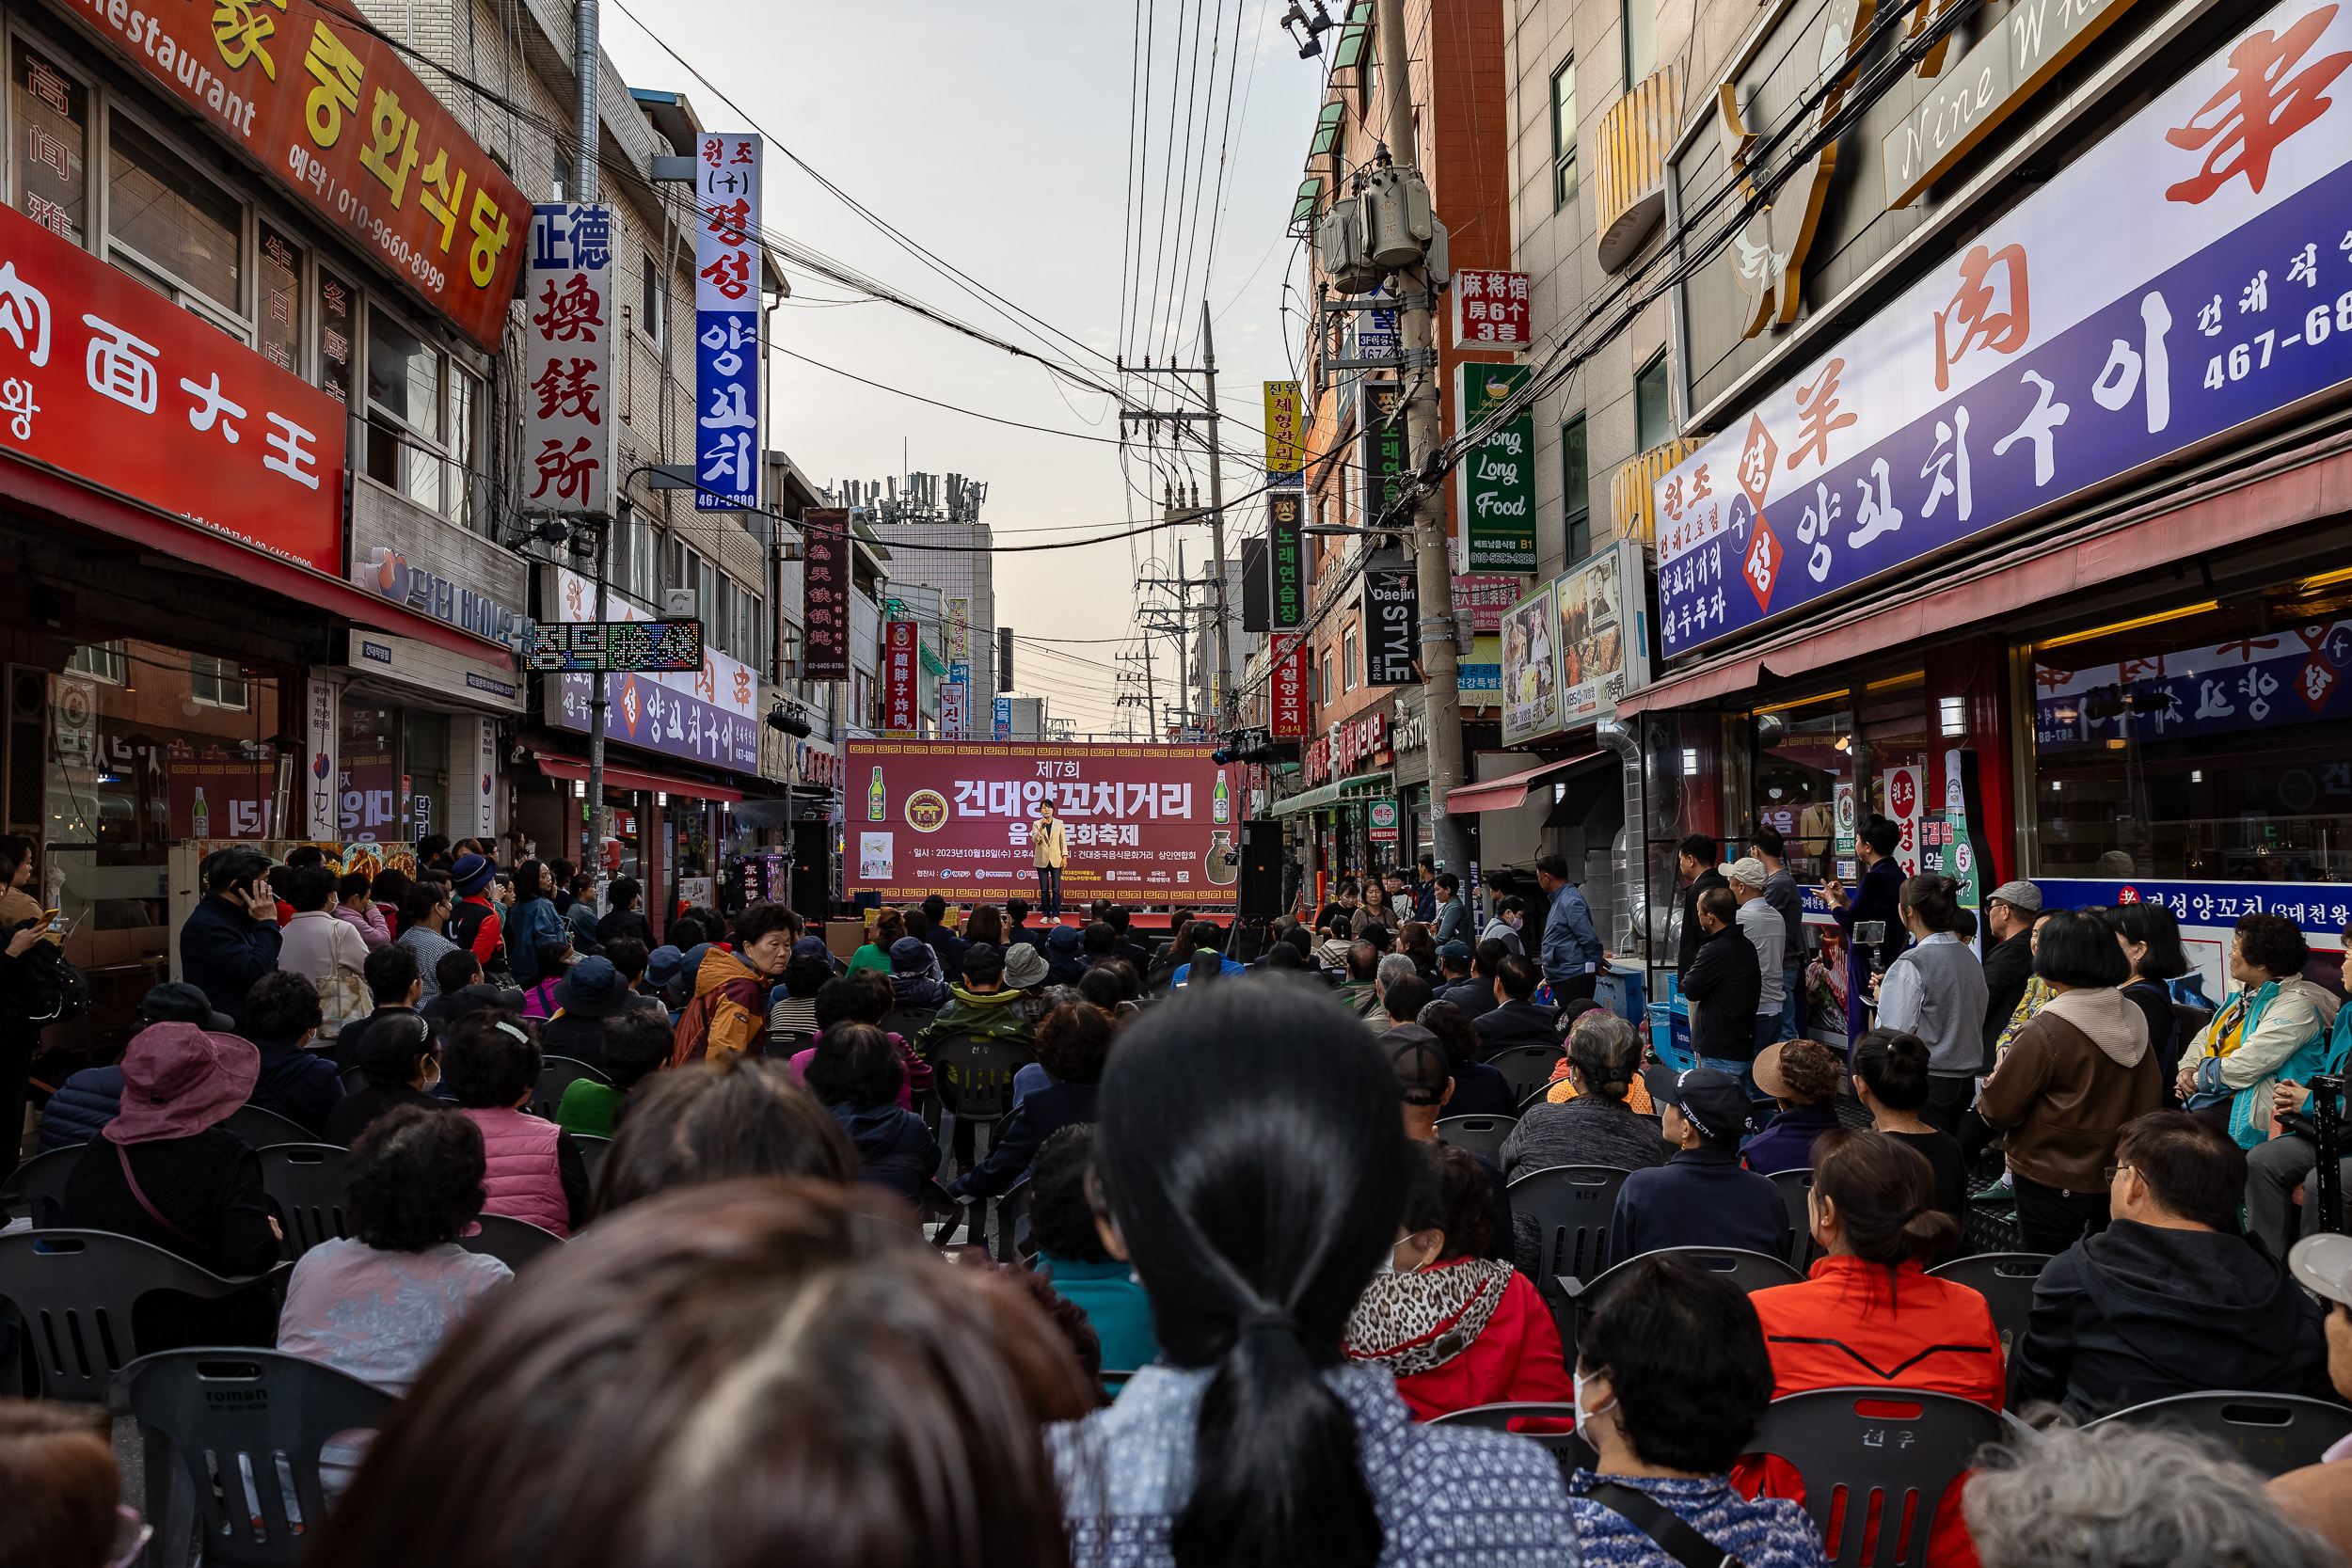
(1221, 809)
(201, 824)
(877, 802)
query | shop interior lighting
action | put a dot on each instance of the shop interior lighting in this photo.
(2133, 625)
(2196, 775)
(1953, 715)
(1690, 762)
(2325, 579)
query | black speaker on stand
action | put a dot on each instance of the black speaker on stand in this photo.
(1261, 870)
(812, 869)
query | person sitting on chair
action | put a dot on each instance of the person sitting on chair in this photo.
(1801, 1076)
(1700, 1197)
(1515, 1020)
(281, 1017)
(1479, 1090)
(857, 1073)
(536, 1172)
(912, 961)
(981, 1005)
(1074, 1244)
(401, 1061)
(1072, 1045)
(1595, 1128)
(636, 1046)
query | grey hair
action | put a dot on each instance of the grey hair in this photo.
(1608, 1050)
(1397, 966)
(2118, 1493)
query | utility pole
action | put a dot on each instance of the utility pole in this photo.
(1417, 338)
(1223, 719)
(587, 62)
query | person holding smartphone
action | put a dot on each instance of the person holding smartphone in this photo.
(232, 937)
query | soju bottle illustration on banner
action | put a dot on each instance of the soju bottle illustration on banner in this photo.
(877, 802)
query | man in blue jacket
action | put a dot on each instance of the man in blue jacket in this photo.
(1878, 898)
(1573, 958)
(1702, 1196)
(231, 939)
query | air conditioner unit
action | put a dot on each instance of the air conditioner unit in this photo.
(682, 604)
(1398, 224)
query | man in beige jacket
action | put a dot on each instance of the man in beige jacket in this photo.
(1050, 840)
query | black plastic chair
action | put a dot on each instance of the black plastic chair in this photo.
(1750, 1271)
(1012, 1225)
(556, 1074)
(305, 1182)
(592, 1151)
(262, 1128)
(512, 1242)
(1571, 1205)
(940, 1216)
(1480, 1135)
(1539, 1094)
(77, 1291)
(232, 1438)
(36, 1191)
(906, 1023)
(1572, 1451)
(1793, 1184)
(973, 1078)
(354, 1080)
(1525, 1067)
(2005, 1280)
(1864, 1449)
(2273, 1432)
(785, 1044)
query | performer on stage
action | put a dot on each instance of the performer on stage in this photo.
(1051, 842)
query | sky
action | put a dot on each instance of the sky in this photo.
(997, 137)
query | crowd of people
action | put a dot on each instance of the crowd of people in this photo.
(1254, 1276)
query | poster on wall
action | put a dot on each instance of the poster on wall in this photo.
(1597, 650)
(1904, 790)
(1531, 667)
(953, 818)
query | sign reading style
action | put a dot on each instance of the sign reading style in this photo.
(1495, 483)
(1392, 619)
(567, 358)
(107, 380)
(726, 322)
(825, 592)
(329, 110)
(2186, 276)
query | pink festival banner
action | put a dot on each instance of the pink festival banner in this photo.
(1145, 824)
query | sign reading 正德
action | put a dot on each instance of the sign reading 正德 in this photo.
(1285, 437)
(617, 646)
(567, 358)
(1495, 482)
(825, 593)
(726, 322)
(1491, 309)
(1391, 623)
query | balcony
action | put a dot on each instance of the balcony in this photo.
(1632, 494)
(1628, 166)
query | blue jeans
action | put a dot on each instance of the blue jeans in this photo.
(1049, 890)
(1791, 1001)
(1743, 1072)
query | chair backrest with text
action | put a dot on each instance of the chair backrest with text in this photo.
(1875, 1459)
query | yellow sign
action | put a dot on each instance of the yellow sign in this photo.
(1286, 436)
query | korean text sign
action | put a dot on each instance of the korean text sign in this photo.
(1289, 689)
(708, 715)
(1385, 458)
(902, 706)
(953, 818)
(726, 322)
(567, 359)
(2186, 275)
(825, 592)
(1286, 436)
(1600, 657)
(1495, 483)
(335, 117)
(1286, 558)
(104, 378)
(1391, 624)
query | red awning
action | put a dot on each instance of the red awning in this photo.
(75, 501)
(1711, 681)
(634, 778)
(1504, 793)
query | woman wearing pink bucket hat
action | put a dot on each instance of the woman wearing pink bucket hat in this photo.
(166, 1172)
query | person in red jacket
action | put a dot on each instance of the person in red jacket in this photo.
(477, 922)
(1871, 1314)
(1456, 1327)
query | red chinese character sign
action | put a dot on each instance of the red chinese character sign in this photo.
(1491, 309)
(727, 323)
(333, 115)
(1289, 686)
(568, 344)
(103, 378)
(825, 593)
(902, 708)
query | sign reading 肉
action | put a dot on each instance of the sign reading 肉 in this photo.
(618, 647)
(953, 818)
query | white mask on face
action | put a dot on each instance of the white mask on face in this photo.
(1577, 1381)
(1515, 920)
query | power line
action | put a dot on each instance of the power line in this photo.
(972, 413)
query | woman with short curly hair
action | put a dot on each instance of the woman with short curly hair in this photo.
(377, 1304)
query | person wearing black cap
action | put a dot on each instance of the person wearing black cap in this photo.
(1702, 1196)
(591, 992)
(86, 1101)
(1424, 1073)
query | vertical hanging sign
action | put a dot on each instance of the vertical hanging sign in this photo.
(1385, 457)
(1285, 438)
(825, 592)
(1286, 558)
(902, 715)
(1289, 689)
(324, 821)
(567, 346)
(727, 323)
(1495, 484)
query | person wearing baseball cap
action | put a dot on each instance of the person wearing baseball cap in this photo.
(1702, 1196)
(2009, 916)
(2320, 1495)
(1765, 931)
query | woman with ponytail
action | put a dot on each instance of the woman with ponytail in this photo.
(1871, 1313)
(1936, 990)
(1250, 1163)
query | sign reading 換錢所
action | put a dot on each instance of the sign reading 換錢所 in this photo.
(710, 713)
(570, 318)
(1495, 483)
(2184, 276)
(726, 322)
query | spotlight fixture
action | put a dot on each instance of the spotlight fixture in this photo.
(788, 720)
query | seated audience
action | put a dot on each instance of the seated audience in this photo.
(741, 1116)
(1072, 1044)
(164, 1171)
(422, 916)
(281, 1017)
(792, 1006)
(2168, 1298)
(395, 985)
(983, 1003)
(912, 963)
(636, 1045)
(401, 1061)
(2320, 1495)
(622, 917)
(1105, 985)
(1595, 1128)
(631, 957)
(1074, 1251)
(1515, 1020)
(1065, 957)
(553, 960)
(1869, 1313)
(1206, 939)
(1802, 1077)
(65, 1492)
(863, 997)
(1671, 1380)
(2129, 1495)
(1427, 1081)
(784, 1364)
(491, 1065)
(378, 1304)
(589, 996)
(857, 1073)
(463, 990)
(1469, 977)
(86, 1101)
(889, 928)
(1702, 1196)
(1397, 977)
(2275, 1030)
(1250, 1427)
(1890, 1078)
(1479, 1090)
(1359, 992)
(1454, 1327)
(356, 907)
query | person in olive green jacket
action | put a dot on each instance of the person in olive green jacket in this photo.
(980, 1006)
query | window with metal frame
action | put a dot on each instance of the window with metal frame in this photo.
(1564, 134)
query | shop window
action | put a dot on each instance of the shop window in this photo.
(1324, 689)
(1563, 134)
(1576, 491)
(170, 226)
(50, 112)
(1653, 416)
(374, 795)
(339, 306)
(1803, 753)
(2214, 744)
(278, 310)
(651, 298)
(218, 683)
(107, 662)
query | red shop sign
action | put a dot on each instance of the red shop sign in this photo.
(331, 112)
(106, 380)
(1290, 691)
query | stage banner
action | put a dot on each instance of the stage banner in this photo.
(953, 818)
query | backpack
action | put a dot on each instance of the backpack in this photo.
(49, 989)
(465, 924)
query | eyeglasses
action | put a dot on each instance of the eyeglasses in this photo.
(2111, 1172)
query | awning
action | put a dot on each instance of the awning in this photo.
(1365, 785)
(1714, 680)
(1322, 794)
(633, 778)
(1362, 786)
(1511, 790)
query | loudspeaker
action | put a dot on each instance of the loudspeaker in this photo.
(812, 869)
(1261, 870)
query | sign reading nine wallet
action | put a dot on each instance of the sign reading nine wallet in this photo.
(1495, 486)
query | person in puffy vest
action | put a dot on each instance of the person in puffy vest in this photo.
(534, 1172)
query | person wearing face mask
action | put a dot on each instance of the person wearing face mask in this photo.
(401, 1062)
(1510, 915)
(1456, 1327)
(1671, 1379)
